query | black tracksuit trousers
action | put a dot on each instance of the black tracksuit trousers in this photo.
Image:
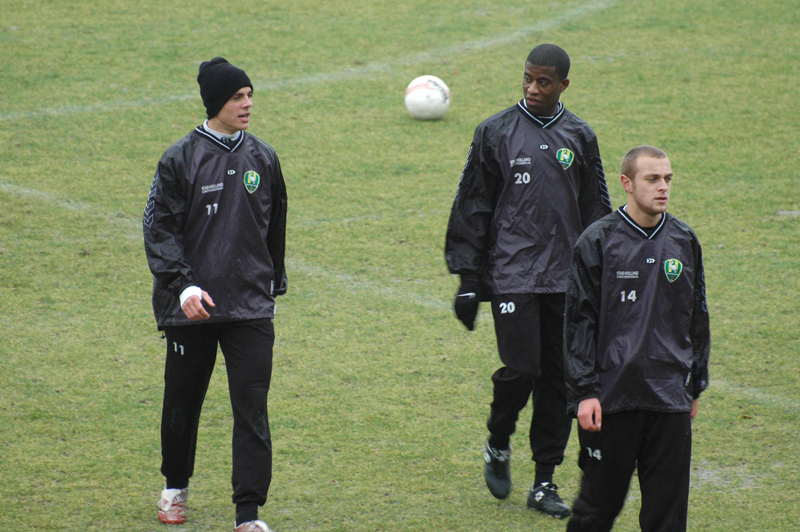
(191, 356)
(529, 329)
(660, 446)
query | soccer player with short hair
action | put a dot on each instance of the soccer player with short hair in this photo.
(533, 181)
(636, 348)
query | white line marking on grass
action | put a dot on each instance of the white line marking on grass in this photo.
(757, 396)
(99, 107)
(562, 17)
(485, 43)
(400, 292)
(46, 197)
(133, 231)
(75, 206)
(725, 478)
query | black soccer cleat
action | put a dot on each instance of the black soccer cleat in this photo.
(544, 498)
(497, 471)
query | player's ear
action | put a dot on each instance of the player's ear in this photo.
(626, 183)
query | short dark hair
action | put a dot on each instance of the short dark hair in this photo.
(552, 56)
(629, 160)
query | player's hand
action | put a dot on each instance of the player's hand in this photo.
(193, 307)
(694, 409)
(467, 301)
(590, 415)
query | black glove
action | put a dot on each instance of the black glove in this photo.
(467, 301)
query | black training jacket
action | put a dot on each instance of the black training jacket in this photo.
(528, 190)
(636, 328)
(216, 218)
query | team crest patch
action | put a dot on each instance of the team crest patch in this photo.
(251, 181)
(565, 157)
(673, 269)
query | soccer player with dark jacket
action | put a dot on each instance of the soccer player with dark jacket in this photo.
(636, 347)
(533, 181)
(214, 235)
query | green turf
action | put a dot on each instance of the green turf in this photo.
(379, 396)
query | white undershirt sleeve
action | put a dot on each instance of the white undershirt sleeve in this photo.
(189, 292)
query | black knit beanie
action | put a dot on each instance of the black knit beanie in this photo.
(219, 80)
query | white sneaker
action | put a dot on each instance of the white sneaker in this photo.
(252, 526)
(172, 506)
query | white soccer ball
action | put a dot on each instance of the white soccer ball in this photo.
(427, 98)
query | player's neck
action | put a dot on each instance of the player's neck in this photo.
(643, 219)
(222, 136)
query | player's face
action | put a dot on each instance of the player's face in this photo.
(648, 190)
(235, 114)
(542, 88)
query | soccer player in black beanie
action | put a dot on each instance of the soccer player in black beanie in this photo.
(219, 80)
(217, 203)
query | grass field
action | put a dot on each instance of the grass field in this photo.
(379, 396)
